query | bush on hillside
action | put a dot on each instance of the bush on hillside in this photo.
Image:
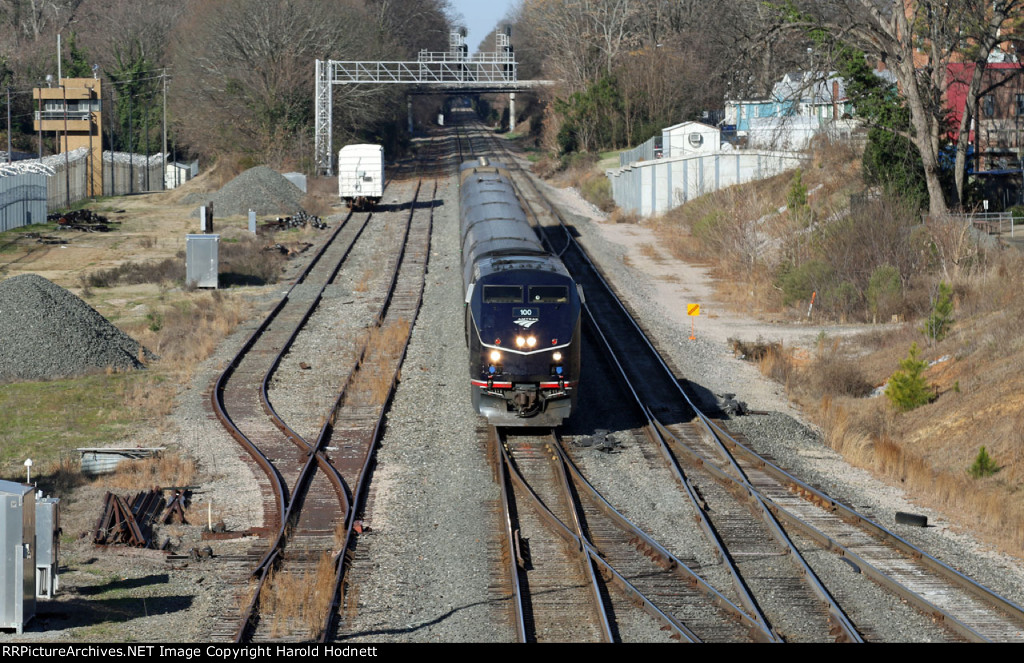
(983, 466)
(907, 387)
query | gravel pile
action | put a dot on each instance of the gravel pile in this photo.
(50, 333)
(261, 189)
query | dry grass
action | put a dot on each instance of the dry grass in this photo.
(364, 282)
(187, 332)
(853, 429)
(651, 252)
(618, 215)
(741, 236)
(384, 346)
(321, 195)
(167, 469)
(297, 604)
(151, 400)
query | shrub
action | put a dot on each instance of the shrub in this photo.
(938, 323)
(798, 283)
(907, 387)
(884, 290)
(842, 299)
(833, 374)
(597, 190)
(983, 465)
(135, 273)
(796, 199)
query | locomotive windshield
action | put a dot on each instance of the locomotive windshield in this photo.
(503, 294)
(549, 294)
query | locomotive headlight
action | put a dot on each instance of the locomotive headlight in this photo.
(520, 341)
(531, 342)
(495, 357)
(557, 356)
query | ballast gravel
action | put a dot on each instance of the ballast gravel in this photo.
(425, 565)
(260, 189)
(49, 333)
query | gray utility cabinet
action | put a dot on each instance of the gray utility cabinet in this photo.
(201, 260)
(18, 555)
(47, 546)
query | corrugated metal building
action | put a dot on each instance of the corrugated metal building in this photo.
(654, 187)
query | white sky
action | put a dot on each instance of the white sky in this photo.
(481, 16)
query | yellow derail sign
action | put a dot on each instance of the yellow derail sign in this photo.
(693, 309)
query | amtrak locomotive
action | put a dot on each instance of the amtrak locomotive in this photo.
(522, 307)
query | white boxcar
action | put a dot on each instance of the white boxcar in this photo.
(361, 175)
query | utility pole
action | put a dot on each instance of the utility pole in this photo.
(163, 180)
(67, 158)
(10, 157)
(131, 145)
(149, 109)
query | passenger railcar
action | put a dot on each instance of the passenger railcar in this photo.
(522, 307)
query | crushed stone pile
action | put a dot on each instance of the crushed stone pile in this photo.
(48, 333)
(261, 189)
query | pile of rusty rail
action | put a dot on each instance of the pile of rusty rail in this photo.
(130, 521)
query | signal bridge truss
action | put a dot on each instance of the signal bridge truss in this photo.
(449, 71)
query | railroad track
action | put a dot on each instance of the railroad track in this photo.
(313, 482)
(585, 573)
(773, 503)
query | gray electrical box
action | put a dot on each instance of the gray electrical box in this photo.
(201, 260)
(18, 555)
(47, 546)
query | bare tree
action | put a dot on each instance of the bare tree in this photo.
(562, 34)
(986, 32)
(917, 40)
(113, 30)
(33, 19)
(243, 69)
(411, 25)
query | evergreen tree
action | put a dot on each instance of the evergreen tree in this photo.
(76, 64)
(907, 387)
(938, 323)
(983, 465)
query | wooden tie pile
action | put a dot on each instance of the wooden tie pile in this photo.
(130, 522)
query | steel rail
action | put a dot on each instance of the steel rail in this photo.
(827, 505)
(743, 591)
(655, 549)
(357, 495)
(657, 431)
(217, 393)
(316, 458)
(746, 598)
(305, 476)
(768, 505)
(501, 469)
(699, 507)
(643, 544)
(726, 442)
(586, 566)
(278, 484)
